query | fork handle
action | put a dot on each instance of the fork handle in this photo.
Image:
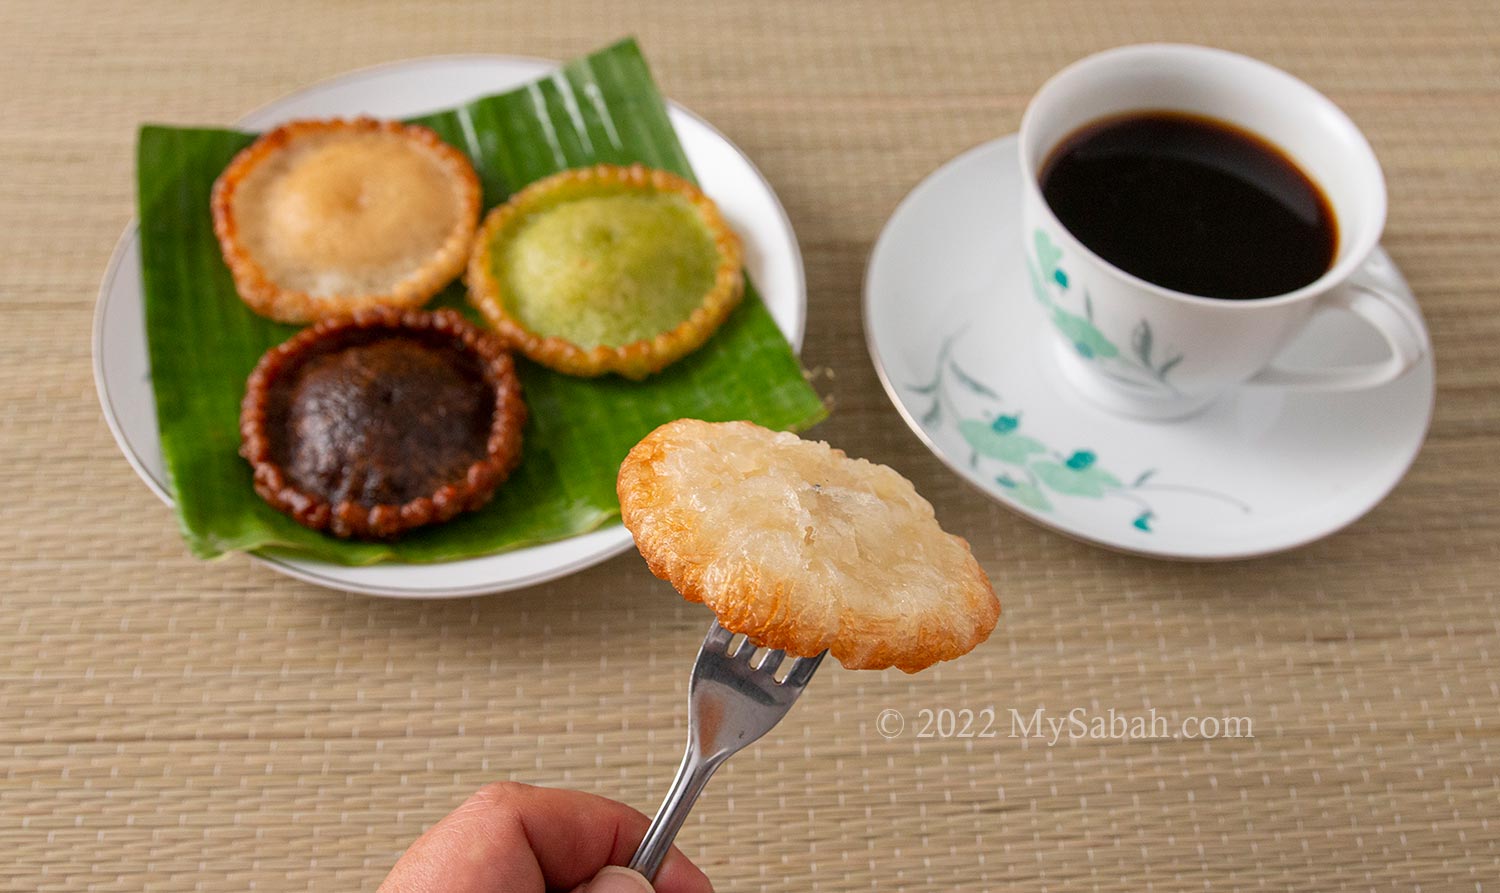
(692, 778)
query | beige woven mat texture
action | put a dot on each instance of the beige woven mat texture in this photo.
(168, 724)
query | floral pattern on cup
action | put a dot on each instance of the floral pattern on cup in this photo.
(1030, 472)
(1143, 366)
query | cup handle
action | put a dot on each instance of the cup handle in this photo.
(1383, 311)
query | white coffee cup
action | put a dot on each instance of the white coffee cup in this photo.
(1141, 349)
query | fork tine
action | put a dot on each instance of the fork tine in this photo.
(717, 639)
(771, 661)
(803, 669)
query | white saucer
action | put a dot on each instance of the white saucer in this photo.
(960, 348)
(403, 89)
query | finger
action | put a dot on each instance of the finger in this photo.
(516, 837)
(614, 879)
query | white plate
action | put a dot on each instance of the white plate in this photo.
(122, 369)
(958, 344)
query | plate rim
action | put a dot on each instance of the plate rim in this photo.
(308, 571)
(998, 144)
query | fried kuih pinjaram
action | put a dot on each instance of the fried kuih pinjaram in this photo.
(801, 548)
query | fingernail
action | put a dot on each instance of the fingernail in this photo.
(616, 879)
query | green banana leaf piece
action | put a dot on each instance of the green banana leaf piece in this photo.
(204, 341)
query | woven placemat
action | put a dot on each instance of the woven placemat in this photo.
(168, 724)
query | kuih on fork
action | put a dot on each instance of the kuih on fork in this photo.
(759, 526)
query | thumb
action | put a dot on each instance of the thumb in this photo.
(616, 879)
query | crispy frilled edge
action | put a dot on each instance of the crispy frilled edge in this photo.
(268, 299)
(760, 606)
(386, 521)
(638, 359)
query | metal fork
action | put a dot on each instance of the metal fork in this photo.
(730, 704)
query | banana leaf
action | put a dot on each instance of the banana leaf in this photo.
(204, 341)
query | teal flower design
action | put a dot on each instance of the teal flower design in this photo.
(1077, 476)
(1081, 460)
(1000, 439)
(1036, 475)
(1086, 337)
(1026, 493)
(1145, 363)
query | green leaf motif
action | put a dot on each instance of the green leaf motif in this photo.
(1168, 366)
(1026, 493)
(1089, 481)
(972, 383)
(1140, 340)
(1007, 446)
(1086, 337)
(1047, 254)
(933, 415)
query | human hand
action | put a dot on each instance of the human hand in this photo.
(516, 838)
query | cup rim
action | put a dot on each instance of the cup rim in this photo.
(1337, 273)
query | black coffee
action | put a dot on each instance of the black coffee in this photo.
(1192, 204)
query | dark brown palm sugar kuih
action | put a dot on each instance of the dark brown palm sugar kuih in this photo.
(372, 425)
